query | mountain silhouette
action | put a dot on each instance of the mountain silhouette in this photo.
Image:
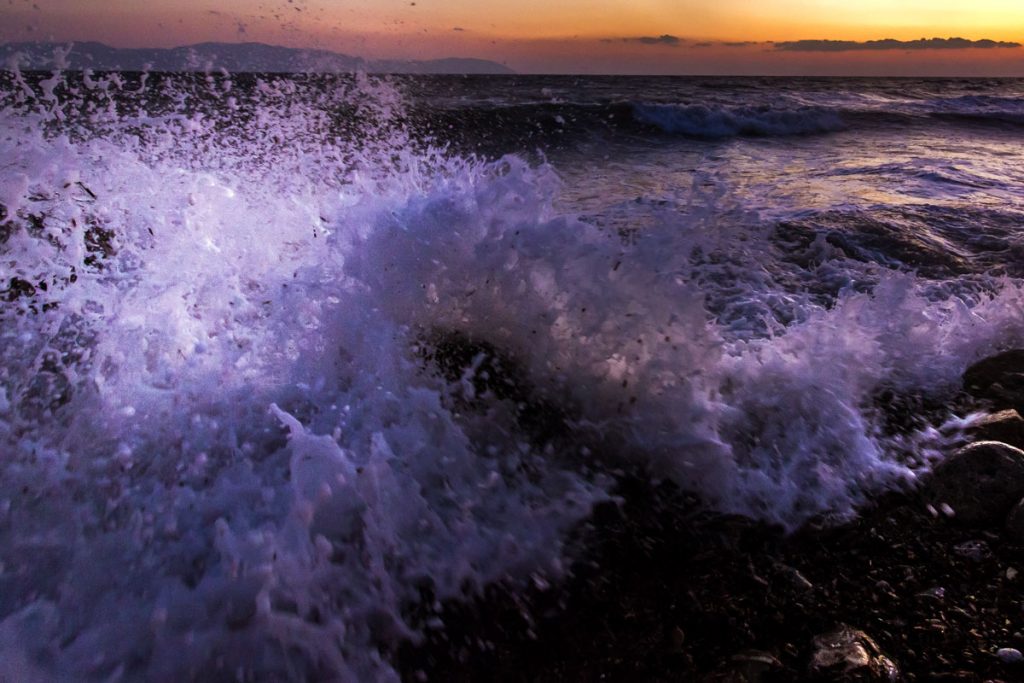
(235, 57)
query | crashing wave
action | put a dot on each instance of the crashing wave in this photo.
(708, 121)
(227, 451)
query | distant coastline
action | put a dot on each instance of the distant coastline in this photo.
(237, 57)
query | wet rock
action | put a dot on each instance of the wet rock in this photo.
(937, 595)
(677, 639)
(848, 654)
(960, 676)
(1010, 655)
(1006, 426)
(792, 577)
(750, 666)
(975, 551)
(998, 379)
(981, 482)
(1015, 524)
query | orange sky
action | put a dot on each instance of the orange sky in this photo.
(558, 36)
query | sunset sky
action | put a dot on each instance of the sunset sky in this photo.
(572, 36)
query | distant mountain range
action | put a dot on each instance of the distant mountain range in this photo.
(235, 57)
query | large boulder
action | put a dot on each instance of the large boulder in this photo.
(750, 666)
(848, 654)
(980, 482)
(998, 380)
(1006, 426)
(1015, 524)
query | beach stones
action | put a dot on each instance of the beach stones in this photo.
(848, 654)
(998, 379)
(980, 482)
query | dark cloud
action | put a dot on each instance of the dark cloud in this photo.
(730, 43)
(660, 40)
(890, 44)
(666, 39)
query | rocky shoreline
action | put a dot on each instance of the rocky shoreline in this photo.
(924, 585)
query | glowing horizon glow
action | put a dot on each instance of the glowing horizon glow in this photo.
(537, 35)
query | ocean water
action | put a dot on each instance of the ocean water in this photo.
(285, 361)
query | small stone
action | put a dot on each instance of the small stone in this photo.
(980, 482)
(1009, 655)
(847, 654)
(938, 594)
(1011, 573)
(977, 551)
(793, 576)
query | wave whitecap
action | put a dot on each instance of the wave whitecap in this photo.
(705, 121)
(979, 109)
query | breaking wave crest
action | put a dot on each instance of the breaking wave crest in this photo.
(705, 121)
(230, 445)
